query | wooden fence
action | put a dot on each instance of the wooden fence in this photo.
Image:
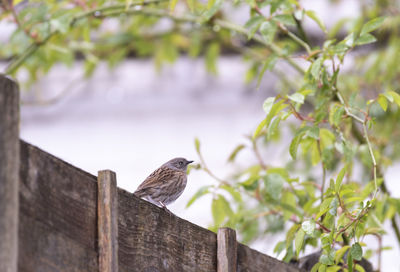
(65, 219)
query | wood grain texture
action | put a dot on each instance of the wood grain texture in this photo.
(58, 208)
(250, 260)
(107, 207)
(226, 250)
(58, 227)
(151, 240)
(9, 167)
(46, 250)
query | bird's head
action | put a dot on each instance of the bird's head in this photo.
(178, 164)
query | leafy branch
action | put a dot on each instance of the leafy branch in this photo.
(116, 10)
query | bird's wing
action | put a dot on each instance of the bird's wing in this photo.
(154, 180)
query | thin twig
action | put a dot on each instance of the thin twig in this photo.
(271, 46)
(342, 230)
(208, 171)
(53, 100)
(33, 47)
(372, 156)
(286, 31)
(322, 226)
(117, 10)
(346, 108)
(27, 32)
(323, 171)
(257, 153)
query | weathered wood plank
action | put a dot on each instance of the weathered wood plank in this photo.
(226, 250)
(59, 202)
(107, 207)
(151, 240)
(46, 250)
(9, 167)
(250, 260)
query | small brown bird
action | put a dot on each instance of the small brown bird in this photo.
(165, 184)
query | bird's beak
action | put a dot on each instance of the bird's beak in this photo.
(189, 162)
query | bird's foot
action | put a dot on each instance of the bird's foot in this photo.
(165, 208)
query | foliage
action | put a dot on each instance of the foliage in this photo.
(344, 121)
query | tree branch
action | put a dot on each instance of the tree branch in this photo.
(118, 10)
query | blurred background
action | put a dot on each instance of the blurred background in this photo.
(134, 117)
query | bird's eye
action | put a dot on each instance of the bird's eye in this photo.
(180, 163)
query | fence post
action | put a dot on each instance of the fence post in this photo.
(9, 174)
(226, 250)
(107, 207)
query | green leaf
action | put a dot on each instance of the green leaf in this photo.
(388, 97)
(253, 24)
(316, 267)
(294, 145)
(234, 153)
(313, 132)
(365, 39)
(172, 4)
(316, 67)
(382, 100)
(333, 206)
(297, 97)
(61, 24)
(280, 246)
(202, 191)
(281, 171)
(268, 30)
(322, 268)
(273, 128)
(299, 241)
(211, 55)
(276, 108)
(268, 103)
(359, 268)
(220, 209)
(313, 15)
(339, 179)
(308, 226)
(273, 185)
(259, 128)
(333, 268)
(16, 2)
(337, 115)
(217, 211)
(290, 235)
(356, 252)
(233, 192)
(289, 201)
(197, 145)
(340, 253)
(396, 97)
(286, 19)
(268, 65)
(298, 137)
(191, 4)
(212, 9)
(372, 25)
(349, 262)
(324, 207)
(326, 259)
(327, 138)
(315, 155)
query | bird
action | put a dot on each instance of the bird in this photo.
(165, 184)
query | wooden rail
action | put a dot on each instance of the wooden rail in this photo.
(63, 209)
(68, 220)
